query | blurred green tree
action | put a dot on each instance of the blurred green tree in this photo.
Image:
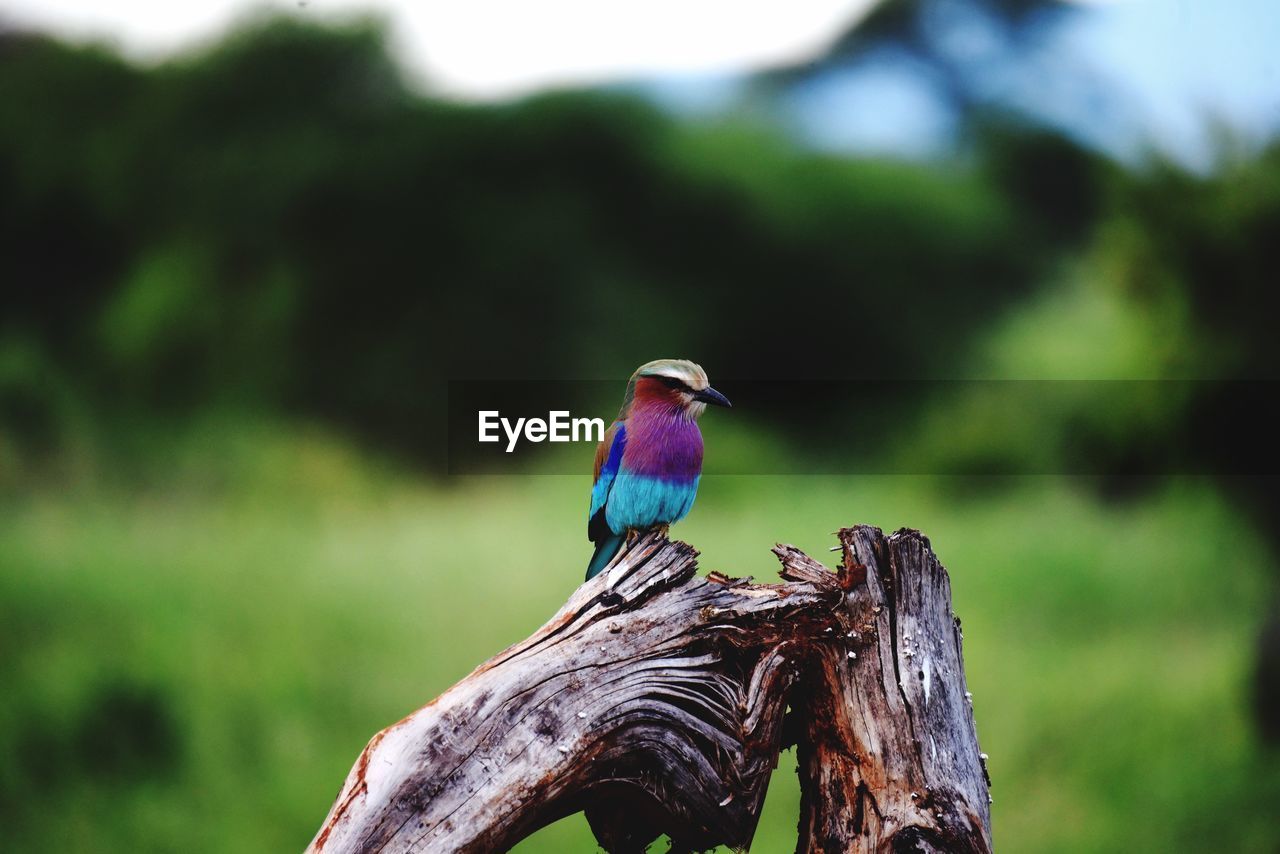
(278, 221)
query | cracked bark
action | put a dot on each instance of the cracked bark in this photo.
(655, 700)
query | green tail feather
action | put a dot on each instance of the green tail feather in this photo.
(605, 550)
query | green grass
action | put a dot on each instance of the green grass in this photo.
(192, 659)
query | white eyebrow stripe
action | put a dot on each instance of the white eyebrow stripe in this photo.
(691, 375)
(694, 383)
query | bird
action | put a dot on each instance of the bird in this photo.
(649, 461)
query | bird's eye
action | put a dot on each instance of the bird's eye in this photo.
(672, 382)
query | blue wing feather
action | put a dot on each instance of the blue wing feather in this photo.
(608, 471)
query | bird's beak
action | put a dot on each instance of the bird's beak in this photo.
(713, 397)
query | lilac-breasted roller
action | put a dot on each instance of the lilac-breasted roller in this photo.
(650, 459)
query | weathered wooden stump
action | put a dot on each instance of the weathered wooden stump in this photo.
(655, 702)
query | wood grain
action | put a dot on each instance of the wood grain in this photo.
(656, 701)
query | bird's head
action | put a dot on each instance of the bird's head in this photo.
(675, 383)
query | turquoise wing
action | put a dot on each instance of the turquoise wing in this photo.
(608, 461)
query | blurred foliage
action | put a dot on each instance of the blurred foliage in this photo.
(236, 283)
(236, 632)
(278, 221)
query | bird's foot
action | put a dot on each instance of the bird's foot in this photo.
(634, 534)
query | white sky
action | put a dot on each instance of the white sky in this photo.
(1177, 65)
(486, 49)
